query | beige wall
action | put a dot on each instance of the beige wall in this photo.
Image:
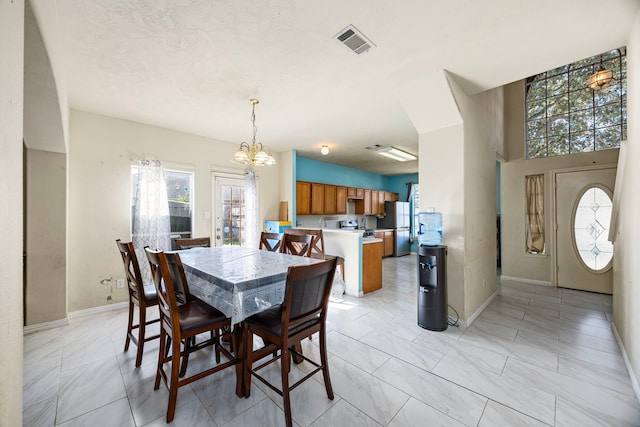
(515, 261)
(441, 177)
(458, 179)
(11, 106)
(626, 268)
(45, 236)
(100, 158)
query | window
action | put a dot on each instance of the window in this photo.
(591, 220)
(534, 215)
(414, 198)
(179, 195)
(565, 116)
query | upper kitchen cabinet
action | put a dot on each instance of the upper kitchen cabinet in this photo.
(317, 198)
(303, 198)
(341, 200)
(363, 207)
(355, 193)
(330, 206)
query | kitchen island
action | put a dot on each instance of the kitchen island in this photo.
(362, 259)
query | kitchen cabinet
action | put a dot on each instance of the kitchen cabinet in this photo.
(330, 206)
(363, 207)
(390, 197)
(317, 199)
(387, 242)
(303, 198)
(382, 196)
(341, 200)
(374, 202)
(371, 266)
(354, 193)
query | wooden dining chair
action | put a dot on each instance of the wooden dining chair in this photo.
(317, 240)
(141, 296)
(302, 313)
(271, 242)
(181, 323)
(297, 244)
(195, 242)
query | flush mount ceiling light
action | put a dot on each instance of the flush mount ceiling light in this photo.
(324, 150)
(254, 154)
(393, 153)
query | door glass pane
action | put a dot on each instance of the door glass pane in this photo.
(232, 215)
(591, 229)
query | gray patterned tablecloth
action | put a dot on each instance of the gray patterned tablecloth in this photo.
(238, 281)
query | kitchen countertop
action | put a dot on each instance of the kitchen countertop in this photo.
(367, 240)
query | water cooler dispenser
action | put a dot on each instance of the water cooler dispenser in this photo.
(432, 287)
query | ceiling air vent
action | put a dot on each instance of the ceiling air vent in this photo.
(354, 40)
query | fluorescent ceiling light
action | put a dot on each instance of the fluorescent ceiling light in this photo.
(395, 154)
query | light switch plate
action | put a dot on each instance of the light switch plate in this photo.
(120, 283)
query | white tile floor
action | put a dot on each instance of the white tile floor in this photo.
(537, 356)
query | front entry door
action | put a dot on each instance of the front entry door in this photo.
(583, 212)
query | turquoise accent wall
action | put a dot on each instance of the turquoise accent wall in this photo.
(398, 184)
(328, 173)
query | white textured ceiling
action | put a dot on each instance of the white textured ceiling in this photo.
(192, 65)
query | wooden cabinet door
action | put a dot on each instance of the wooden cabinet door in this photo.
(330, 206)
(303, 198)
(374, 202)
(382, 196)
(388, 243)
(359, 193)
(341, 200)
(317, 199)
(367, 202)
(371, 267)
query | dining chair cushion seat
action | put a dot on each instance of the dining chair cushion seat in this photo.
(270, 321)
(197, 315)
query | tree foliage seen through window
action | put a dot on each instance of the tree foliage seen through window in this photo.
(565, 116)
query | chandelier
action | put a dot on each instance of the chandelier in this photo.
(254, 154)
(601, 78)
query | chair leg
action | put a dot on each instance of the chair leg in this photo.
(247, 343)
(216, 343)
(142, 325)
(162, 355)
(129, 326)
(285, 360)
(325, 364)
(173, 385)
(185, 358)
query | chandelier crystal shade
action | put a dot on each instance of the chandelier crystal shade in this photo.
(255, 154)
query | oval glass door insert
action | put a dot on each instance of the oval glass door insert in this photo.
(591, 220)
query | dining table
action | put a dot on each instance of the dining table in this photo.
(240, 282)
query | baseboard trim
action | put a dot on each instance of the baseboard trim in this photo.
(44, 326)
(480, 309)
(353, 294)
(527, 281)
(627, 362)
(99, 309)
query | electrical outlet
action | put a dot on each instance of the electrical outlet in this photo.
(120, 283)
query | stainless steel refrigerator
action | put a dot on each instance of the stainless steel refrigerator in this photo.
(397, 217)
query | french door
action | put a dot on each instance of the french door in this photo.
(229, 210)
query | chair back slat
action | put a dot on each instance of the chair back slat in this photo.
(271, 241)
(131, 269)
(164, 286)
(195, 242)
(317, 240)
(297, 244)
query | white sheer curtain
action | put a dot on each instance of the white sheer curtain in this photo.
(251, 226)
(151, 224)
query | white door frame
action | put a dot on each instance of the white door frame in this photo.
(214, 220)
(554, 222)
